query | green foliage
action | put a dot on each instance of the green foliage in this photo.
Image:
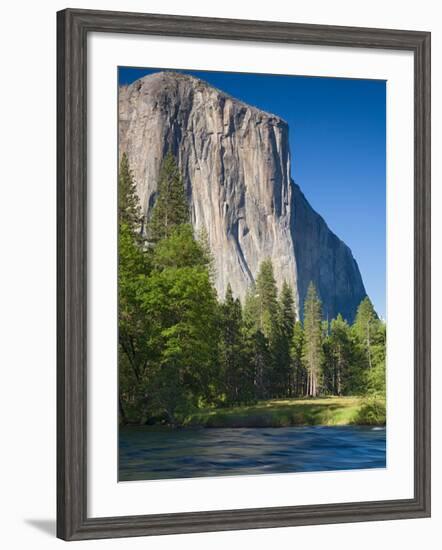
(180, 249)
(313, 354)
(298, 380)
(203, 241)
(328, 411)
(181, 351)
(251, 313)
(281, 344)
(237, 373)
(287, 309)
(365, 327)
(338, 352)
(133, 264)
(268, 326)
(170, 209)
(261, 329)
(372, 412)
(376, 377)
(129, 209)
(181, 303)
(370, 339)
(167, 308)
(267, 302)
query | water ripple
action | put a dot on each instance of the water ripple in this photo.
(146, 453)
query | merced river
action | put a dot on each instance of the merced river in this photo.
(150, 453)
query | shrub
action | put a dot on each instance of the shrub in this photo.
(372, 412)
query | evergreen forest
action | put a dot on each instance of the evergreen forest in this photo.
(184, 351)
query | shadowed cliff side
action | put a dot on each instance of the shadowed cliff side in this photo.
(324, 259)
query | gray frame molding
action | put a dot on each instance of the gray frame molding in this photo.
(72, 29)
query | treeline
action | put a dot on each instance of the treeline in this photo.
(181, 349)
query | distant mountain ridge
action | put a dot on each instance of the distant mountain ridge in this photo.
(235, 161)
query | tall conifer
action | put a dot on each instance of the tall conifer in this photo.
(282, 342)
(236, 377)
(313, 352)
(298, 380)
(266, 294)
(171, 208)
(129, 209)
(365, 327)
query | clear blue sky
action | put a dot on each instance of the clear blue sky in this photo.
(337, 142)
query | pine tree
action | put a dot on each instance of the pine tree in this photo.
(256, 345)
(266, 294)
(129, 210)
(133, 264)
(258, 361)
(341, 355)
(180, 249)
(287, 309)
(251, 309)
(237, 377)
(375, 379)
(282, 342)
(203, 241)
(261, 312)
(171, 208)
(370, 336)
(133, 356)
(365, 327)
(312, 352)
(298, 384)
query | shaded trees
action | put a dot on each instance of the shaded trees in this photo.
(267, 300)
(365, 327)
(370, 335)
(282, 345)
(237, 372)
(312, 351)
(256, 344)
(171, 208)
(298, 382)
(129, 210)
(133, 263)
(339, 355)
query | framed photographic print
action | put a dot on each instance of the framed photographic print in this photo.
(243, 274)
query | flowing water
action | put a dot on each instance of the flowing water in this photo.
(149, 453)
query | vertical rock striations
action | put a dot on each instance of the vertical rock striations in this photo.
(235, 162)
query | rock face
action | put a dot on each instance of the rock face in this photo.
(324, 259)
(235, 162)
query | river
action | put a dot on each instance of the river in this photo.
(146, 453)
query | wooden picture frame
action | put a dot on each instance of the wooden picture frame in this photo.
(73, 27)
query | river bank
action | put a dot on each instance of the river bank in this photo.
(282, 413)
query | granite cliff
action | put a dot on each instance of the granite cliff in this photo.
(235, 161)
